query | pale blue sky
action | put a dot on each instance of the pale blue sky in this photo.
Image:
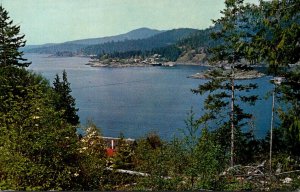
(45, 21)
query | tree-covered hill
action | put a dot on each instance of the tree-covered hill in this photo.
(192, 47)
(57, 48)
(199, 39)
(76, 45)
(141, 33)
(160, 40)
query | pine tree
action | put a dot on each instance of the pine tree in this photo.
(202, 155)
(38, 149)
(10, 42)
(64, 102)
(222, 114)
(233, 38)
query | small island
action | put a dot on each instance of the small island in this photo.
(240, 73)
(152, 61)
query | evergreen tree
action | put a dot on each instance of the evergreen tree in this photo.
(278, 40)
(38, 149)
(208, 162)
(233, 40)
(10, 42)
(64, 101)
(222, 114)
(203, 159)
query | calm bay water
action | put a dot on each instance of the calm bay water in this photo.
(136, 101)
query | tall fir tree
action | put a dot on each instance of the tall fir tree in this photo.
(233, 37)
(10, 42)
(222, 114)
(64, 102)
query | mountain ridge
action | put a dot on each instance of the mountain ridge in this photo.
(159, 40)
(140, 33)
(142, 38)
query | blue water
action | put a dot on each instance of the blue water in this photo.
(139, 100)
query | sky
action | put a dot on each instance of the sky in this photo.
(56, 21)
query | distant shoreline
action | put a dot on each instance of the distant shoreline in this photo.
(163, 64)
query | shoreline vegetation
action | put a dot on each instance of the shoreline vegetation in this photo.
(112, 63)
(141, 64)
(238, 75)
(142, 61)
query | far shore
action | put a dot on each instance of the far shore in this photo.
(139, 64)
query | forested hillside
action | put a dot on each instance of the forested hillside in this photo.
(57, 48)
(159, 40)
(184, 49)
(75, 47)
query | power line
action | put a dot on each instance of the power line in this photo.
(109, 84)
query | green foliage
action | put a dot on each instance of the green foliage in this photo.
(278, 42)
(38, 149)
(202, 156)
(206, 162)
(124, 157)
(92, 160)
(156, 158)
(223, 93)
(278, 38)
(191, 132)
(235, 36)
(236, 185)
(10, 42)
(190, 163)
(64, 102)
(199, 39)
(171, 53)
(230, 34)
(160, 40)
(288, 101)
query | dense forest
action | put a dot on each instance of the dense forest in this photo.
(181, 49)
(168, 51)
(160, 40)
(40, 148)
(139, 39)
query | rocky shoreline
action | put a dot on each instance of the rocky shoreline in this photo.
(140, 64)
(239, 75)
(117, 65)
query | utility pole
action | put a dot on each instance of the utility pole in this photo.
(276, 81)
(232, 118)
(271, 129)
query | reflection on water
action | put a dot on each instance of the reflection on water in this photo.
(136, 101)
